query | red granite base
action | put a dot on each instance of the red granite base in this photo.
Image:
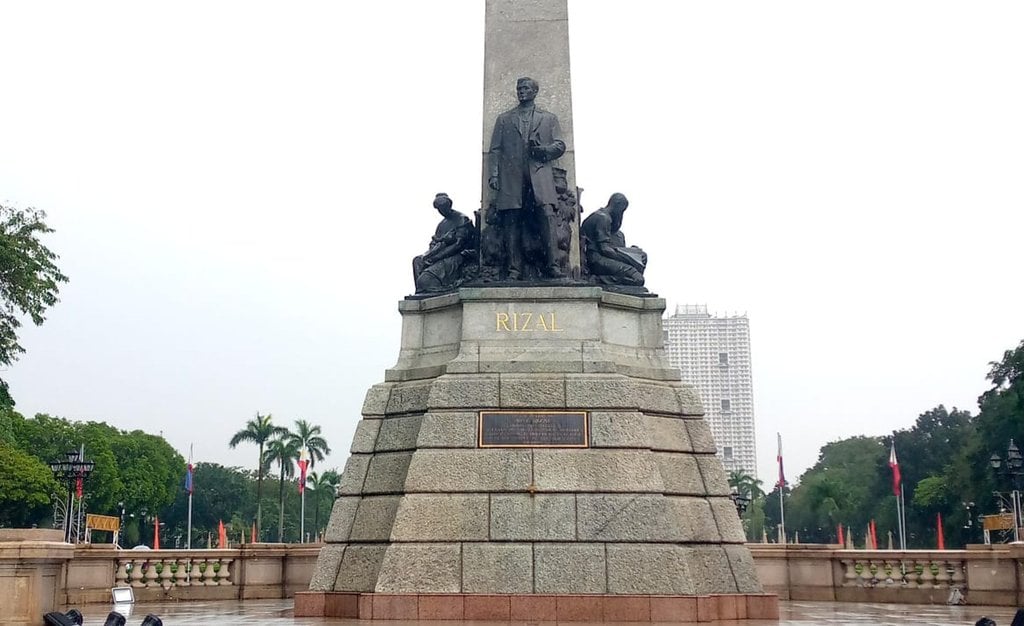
(537, 608)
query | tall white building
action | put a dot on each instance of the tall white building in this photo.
(713, 354)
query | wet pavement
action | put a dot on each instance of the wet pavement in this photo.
(279, 613)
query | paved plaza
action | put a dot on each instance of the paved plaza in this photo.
(279, 613)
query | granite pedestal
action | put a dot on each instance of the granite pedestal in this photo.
(427, 522)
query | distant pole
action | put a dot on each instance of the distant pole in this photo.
(303, 464)
(902, 507)
(781, 485)
(189, 478)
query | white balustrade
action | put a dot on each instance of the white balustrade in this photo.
(178, 571)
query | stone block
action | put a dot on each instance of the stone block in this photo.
(327, 565)
(354, 474)
(626, 608)
(441, 607)
(669, 434)
(386, 473)
(374, 518)
(395, 607)
(689, 401)
(743, 569)
(579, 609)
(531, 359)
(456, 391)
(566, 568)
(487, 608)
(497, 568)
(711, 470)
(624, 517)
(375, 404)
(359, 567)
(696, 519)
(511, 321)
(655, 398)
(409, 397)
(441, 517)
(533, 608)
(528, 10)
(700, 436)
(680, 473)
(597, 391)
(620, 327)
(532, 391)
(448, 430)
(474, 470)
(365, 437)
(442, 327)
(525, 517)
(420, 568)
(596, 360)
(728, 520)
(597, 470)
(638, 568)
(398, 433)
(710, 569)
(673, 609)
(619, 430)
(343, 513)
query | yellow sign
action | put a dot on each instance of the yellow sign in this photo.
(997, 522)
(102, 522)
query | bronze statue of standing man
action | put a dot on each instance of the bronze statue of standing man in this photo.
(526, 140)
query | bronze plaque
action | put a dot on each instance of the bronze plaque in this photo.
(534, 429)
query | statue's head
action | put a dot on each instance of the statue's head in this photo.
(526, 89)
(617, 205)
(443, 204)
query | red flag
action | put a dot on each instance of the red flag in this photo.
(782, 474)
(842, 540)
(895, 466)
(874, 535)
(938, 530)
(156, 533)
(222, 536)
(303, 466)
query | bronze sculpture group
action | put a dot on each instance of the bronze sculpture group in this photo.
(525, 234)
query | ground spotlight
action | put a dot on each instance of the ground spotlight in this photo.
(114, 619)
(71, 618)
(152, 620)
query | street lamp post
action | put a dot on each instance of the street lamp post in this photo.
(70, 471)
(1013, 470)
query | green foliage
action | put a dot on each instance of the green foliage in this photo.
(29, 280)
(309, 439)
(135, 468)
(26, 488)
(284, 451)
(258, 430)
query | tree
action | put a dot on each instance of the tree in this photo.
(284, 451)
(29, 280)
(309, 439)
(219, 493)
(258, 430)
(26, 488)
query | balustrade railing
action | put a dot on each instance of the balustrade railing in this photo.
(149, 570)
(903, 571)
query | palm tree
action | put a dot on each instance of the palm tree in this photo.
(258, 430)
(309, 439)
(284, 450)
(328, 483)
(745, 484)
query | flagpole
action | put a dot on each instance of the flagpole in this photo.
(303, 464)
(903, 522)
(188, 537)
(781, 485)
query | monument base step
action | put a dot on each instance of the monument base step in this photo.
(537, 607)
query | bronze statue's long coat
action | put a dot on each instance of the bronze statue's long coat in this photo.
(510, 161)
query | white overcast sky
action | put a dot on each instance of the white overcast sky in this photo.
(238, 189)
